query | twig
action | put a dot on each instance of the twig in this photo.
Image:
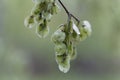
(64, 7)
(68, 13)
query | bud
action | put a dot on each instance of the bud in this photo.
(29, 21)
(58, 36)
(60, 49)
(42, 30)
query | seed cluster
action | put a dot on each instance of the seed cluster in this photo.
(65, 38)
(40, 16)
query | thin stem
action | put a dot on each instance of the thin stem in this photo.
(64, 7)
(75, 18)
(68, 13)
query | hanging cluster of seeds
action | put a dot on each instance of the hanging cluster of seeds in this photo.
(40, 16)
(66, 37)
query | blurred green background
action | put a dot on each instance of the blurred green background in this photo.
(24, 56)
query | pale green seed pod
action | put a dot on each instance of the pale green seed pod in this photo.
(57, 8)
(75, 38)
(63, 62)
(54, 9)
(49, 6)
(83, 37)
(38, 18)
(47, 16)
(87, 27)
(60, 49)
(83, 34)
(38, 8)
(42, 30)
(58, 36)
(64, 68)
(29, 21)
(63, 59)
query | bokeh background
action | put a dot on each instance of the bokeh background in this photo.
(24, 56)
